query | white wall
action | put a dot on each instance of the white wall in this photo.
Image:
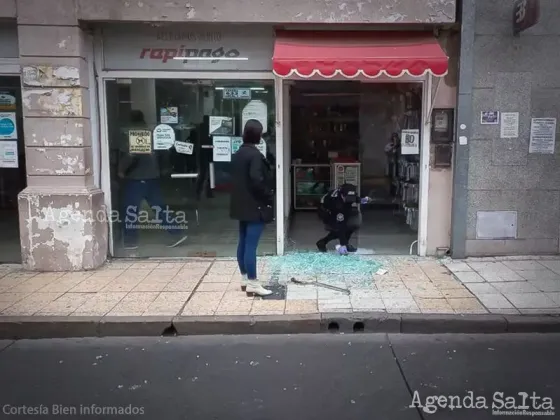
(441, 179)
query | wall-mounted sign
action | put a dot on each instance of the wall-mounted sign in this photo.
(490, 117)
(169, 115)
(195, 47)
(410, 142)
(140, 141)
(237, 93)
(8, 154)
(8, 128)
(526, 13)
(255, 110)
(509, 125)
(543, 135)
(164, 137)
(221, 149)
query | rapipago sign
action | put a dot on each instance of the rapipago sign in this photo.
(526, 14)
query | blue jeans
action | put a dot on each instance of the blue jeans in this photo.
(134, 192)
(249, 235)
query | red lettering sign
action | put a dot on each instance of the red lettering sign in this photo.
(166, 54)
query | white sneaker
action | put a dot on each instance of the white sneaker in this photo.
(255, 288)
(244, 282)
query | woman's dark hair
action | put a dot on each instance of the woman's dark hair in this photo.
(252, 132)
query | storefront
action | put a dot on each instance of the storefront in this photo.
(192, 112)
(357, 108)
(184, 94)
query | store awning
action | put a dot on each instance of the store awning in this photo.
(353, 54)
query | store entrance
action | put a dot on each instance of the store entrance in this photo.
(352, 132)
(12, 167)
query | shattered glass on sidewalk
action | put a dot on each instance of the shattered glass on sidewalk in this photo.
(325, 267)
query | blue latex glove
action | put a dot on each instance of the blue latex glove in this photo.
(365, 200)
(342, 250)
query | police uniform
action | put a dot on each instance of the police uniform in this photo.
(340, 214)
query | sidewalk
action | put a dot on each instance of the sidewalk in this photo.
(210, 289)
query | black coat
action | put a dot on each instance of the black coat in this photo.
(252, 184)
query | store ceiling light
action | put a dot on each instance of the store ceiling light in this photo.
(212, 58)
(253, 88)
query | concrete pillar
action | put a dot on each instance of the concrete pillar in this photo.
(63, 221)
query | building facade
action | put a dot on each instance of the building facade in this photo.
(84, 65)
(506, 189)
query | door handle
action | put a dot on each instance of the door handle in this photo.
(181, 176)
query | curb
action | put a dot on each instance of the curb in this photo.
(29, 327)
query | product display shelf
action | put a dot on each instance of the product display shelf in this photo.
(409, 189)
(310, 183)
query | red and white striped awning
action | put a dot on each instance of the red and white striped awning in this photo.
(327, 54)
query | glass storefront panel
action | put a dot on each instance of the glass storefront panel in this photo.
(170, 144)
(13, 178)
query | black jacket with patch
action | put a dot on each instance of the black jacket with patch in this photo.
(335, 212)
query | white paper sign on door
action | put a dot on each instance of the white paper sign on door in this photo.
(8, 154)
(164, 137)
(543, 135)
(255, 110)
(184, 147)
(140, 141)
(509, 125)
(410, 142)
(220, 126)
(222, 148)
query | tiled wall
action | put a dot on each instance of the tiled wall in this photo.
(514, 75)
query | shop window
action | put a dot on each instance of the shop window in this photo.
(170, 145)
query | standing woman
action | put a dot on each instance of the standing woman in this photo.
(252, 200)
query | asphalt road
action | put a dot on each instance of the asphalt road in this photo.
(299, 377)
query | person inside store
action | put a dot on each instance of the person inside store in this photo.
(339, 212)
(140, 174)
(251, 204)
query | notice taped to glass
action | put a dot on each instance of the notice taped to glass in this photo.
(543, 135)
(410, 142)
(140, 141)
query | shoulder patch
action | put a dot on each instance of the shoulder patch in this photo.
(339, 217)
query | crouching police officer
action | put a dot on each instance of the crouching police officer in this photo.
(339, 212)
